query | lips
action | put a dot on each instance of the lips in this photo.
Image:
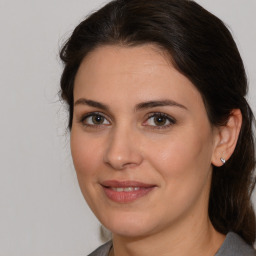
(126, 191)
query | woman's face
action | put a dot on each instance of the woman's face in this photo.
(141, 141)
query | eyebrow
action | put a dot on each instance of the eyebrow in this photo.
(158, 103)
(91, 103)
(140, 106)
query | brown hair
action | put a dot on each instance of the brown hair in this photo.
(202, 49)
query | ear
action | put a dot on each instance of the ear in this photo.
(226, 138)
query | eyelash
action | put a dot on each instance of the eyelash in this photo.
(92, 114)
(167, 118)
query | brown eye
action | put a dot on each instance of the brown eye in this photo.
(94, 119)
(160, 120)
(97, 119)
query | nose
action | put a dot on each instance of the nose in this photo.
(123, 150)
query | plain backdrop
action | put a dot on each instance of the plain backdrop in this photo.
(42, 212)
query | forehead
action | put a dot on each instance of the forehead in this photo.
(125, 59)
(132, 73)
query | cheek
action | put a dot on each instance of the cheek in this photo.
(85, 154)
(184, 165)
(183, 157)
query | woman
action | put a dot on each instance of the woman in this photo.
(161, 134)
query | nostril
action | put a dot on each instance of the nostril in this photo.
(120, 164)
(121, 153)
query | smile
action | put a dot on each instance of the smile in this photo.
(126, 191)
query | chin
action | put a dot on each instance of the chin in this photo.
(128, 224)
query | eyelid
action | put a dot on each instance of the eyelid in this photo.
(169, 118)
(91, 114)
(161, 114)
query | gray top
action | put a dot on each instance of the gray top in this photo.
(233, 245)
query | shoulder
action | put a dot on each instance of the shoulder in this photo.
(234, 245)
(103, 250)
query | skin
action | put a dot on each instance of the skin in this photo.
(128, 144)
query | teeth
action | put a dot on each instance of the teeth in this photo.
(127, 189)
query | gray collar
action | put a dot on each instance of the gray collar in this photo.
(233, 245)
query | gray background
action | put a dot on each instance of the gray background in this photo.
(42, 211)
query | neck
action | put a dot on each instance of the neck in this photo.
(200, 239)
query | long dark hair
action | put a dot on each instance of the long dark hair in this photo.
(201, 48)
